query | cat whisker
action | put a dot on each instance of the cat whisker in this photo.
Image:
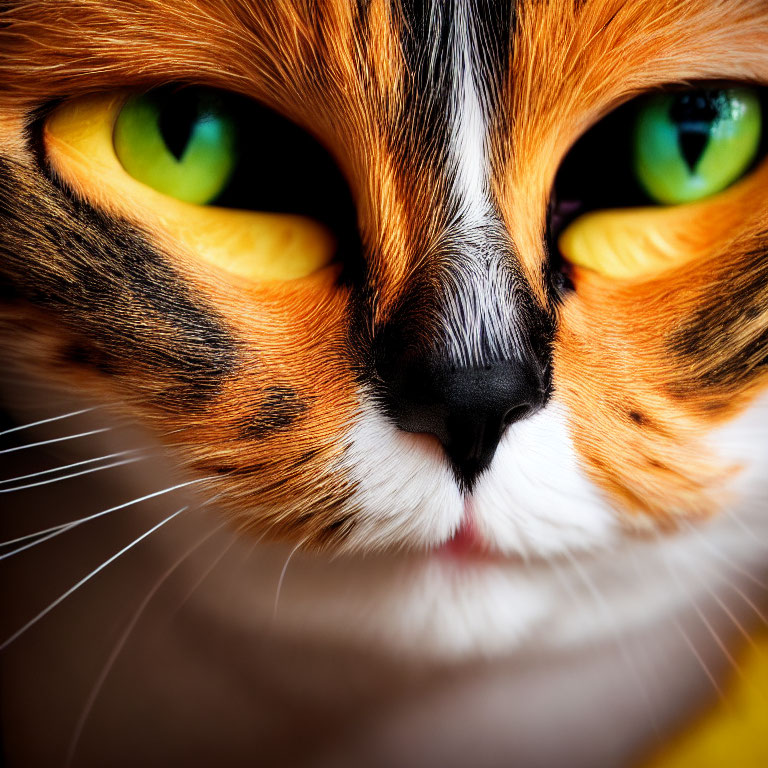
(723, 558)
(35, 619)
(282, 576)
(744, 527)
(208, 570)
(55, 530)
(748, 600)
(123, 639)
(640, 648)
(619, 638)
(730, 614)
(73, 474)
(65, 467)
(32, 424)
(55, 440)
(686, 638)
(710, 629)
(699, 658)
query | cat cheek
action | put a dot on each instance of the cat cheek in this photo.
(645, 451)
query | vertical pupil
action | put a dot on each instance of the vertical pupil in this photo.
(695, 114)
(178, 114)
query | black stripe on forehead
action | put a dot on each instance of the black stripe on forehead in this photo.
(432, 33)
(426, 42)
(106, 284)
(448, 47)
(492, 38)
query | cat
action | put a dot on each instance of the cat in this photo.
(439, 329)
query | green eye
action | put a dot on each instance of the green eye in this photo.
(688, 146)
(181, 143)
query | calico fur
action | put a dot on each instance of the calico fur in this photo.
(451, 246)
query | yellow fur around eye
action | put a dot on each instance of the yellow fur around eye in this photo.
(250, 244)
(640, 242)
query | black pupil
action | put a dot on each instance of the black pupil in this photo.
(695, 114)
(179, 111)
(280, 167)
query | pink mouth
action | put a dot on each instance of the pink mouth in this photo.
(466, 543)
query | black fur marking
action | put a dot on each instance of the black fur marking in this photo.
(306, 457)
(90, 357)
(279, 410)
(427, 49)
(337, 531)
(219, 469)
(646, 422)
(105, 283)
(723, 345)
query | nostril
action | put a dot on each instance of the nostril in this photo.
(466, 408)
(516, 414)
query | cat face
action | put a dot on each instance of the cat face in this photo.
(451, 373)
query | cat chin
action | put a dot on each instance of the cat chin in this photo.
(427, 607)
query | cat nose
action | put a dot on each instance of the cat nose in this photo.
(466, 408)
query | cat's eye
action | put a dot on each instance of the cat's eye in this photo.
(650, 184)
(181, 143)
(688, 146)
(228, 179)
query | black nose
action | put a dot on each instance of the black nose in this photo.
(466, 408)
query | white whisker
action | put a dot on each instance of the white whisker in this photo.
(55, 440)
(65, 467)
(62, 527)
(618, 637)
(112, 658)
(216, 560)
(48, 421)
(699, 658)
(85, 579)
(730, 614)
(748, 600)
(744, 527)
(723, 558)
(282, 577)
(715, 636)
(73, 474)
(207, 572)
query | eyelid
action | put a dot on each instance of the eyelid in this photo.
(640, 242)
